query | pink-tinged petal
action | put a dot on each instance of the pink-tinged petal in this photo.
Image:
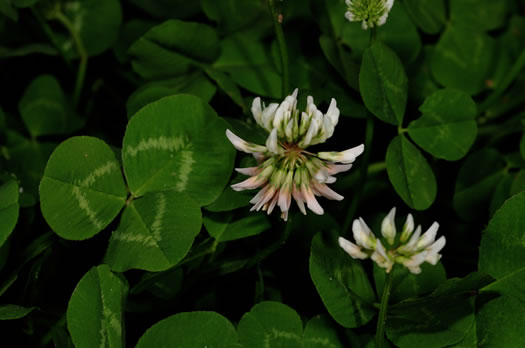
(351, 249)
(311, 202)
(270, 205)
(249, 184)
(267, 193)
(243, 145)
(251, 171)
(259, 157)
(333, 169)
(347, 156)
(327, 192)
(297, 195)
(284, 215)
(285, 199)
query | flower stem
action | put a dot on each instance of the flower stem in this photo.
(81, 72)
(277, 21)
(362, 174)
(373, 36)
(380, 331)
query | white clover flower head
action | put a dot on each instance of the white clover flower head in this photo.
(369, 12)
(285, 169)
(410, 250)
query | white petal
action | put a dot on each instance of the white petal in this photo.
(337, 168)
(257, 110)
(433, 255)
(268, 115)
(310, 106)
(382, 19)
(279, 114)
(380, 257)
(428, 237)
(408, 228)
(289, 130)
(411, 245)
(388, 227)
(347, 156)
(351, 249)
(243, 145)
(350, 16)
(327, 192)
(272, 144)
(362, 234)
(333, 112)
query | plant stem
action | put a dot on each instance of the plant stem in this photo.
(373, 36)
(383, 309)
(81, 72)
(277, 21)
(51, 36)
(362, 174)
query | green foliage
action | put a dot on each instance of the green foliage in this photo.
(270, 323)
(341, 283)
(462, 59)
(10, 312)
(115, 168)
(192, 330)
(82, 189)
(447, 129)
(43, 107)
(170, 49)
(383, 83)
(410, 174)
(477, 178)
(155, 232)
(9, 207)
(97, 23)
(177, 143)
(95, 310)
(429, 15)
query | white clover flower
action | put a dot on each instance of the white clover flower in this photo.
(285, 169)
(411, 250)
(369, 12)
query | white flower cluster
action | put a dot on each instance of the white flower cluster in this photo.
(410, 250)
(285, 169)
(369, 12)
